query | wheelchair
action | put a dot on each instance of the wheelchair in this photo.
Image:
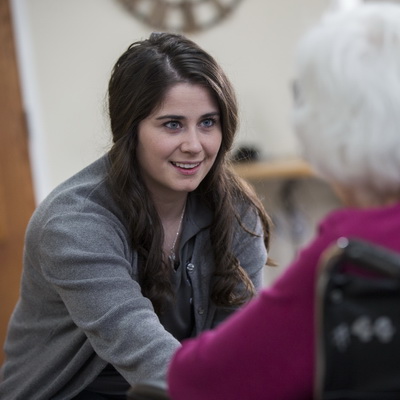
(357, 322)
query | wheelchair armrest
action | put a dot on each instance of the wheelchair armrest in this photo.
(148, 390)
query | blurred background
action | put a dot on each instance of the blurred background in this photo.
(55, 61)
(66, 50)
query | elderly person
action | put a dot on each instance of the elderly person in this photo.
(347, 116)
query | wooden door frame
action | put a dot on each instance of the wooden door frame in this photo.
(16, 188)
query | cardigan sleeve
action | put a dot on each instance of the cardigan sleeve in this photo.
(85, 258)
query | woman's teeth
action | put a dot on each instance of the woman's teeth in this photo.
(186, 166)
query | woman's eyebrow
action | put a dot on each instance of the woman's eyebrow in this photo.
(180, 117)
(171, 116)
(211, 114)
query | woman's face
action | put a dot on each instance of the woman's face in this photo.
(178, 142)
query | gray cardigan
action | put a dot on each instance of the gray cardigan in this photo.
(81, 306)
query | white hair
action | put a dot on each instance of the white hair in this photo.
(347, 97)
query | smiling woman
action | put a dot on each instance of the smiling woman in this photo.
(153, 243)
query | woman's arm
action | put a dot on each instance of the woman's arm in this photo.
(87, 260)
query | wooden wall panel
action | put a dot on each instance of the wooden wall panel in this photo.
(16, 192)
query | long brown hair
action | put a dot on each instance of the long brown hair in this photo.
(139, 81)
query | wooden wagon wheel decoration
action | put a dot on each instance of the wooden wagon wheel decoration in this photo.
(186, 16)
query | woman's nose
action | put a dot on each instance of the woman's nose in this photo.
(191, 141)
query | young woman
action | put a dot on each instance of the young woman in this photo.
(153, 243)
(347, 116)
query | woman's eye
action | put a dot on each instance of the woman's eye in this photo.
(173, 125)
(209, 122)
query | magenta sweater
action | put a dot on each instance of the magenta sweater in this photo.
(266, 350)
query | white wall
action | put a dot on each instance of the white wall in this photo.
(66, 51)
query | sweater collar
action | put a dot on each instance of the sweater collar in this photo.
(197, 217)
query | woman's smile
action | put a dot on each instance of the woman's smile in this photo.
(187, 168)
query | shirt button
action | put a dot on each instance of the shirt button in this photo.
(189, 267)
(200, 310)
